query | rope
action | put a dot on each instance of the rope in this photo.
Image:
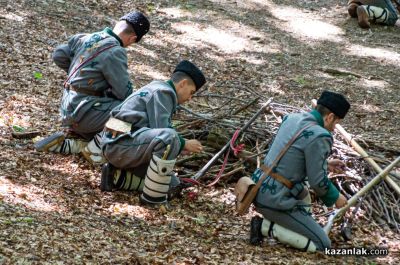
(192, 181)
(236, 149)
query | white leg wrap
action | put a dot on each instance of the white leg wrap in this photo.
(158, 179)
(69, 146)
(92, 152)
(164, 167)
(287, 236)
(129, 181)
(377, 14)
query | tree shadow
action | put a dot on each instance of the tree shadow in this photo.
(276, 48)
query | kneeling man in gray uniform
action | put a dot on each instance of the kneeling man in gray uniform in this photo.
(286, 211)
(139, 142)
(98, 80)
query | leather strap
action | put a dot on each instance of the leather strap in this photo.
(85, 61)
(86, 91)
(278, 177)
(283, 151)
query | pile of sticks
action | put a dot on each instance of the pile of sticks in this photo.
(218, 116)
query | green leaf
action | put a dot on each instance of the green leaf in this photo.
(150, 7)
(18, 128)
(189, 6)
(37, 75)
(28, 220)
(300, 80)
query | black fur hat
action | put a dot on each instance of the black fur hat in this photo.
(193, 71)
(139, 23)
(335, 102)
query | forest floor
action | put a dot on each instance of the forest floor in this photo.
(51, 208)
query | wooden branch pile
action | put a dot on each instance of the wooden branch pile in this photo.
(218, 116)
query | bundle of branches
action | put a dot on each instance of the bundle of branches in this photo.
(218, 116)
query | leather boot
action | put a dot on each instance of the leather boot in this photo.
(107, 177)
(352, 9)
(363, 17)
(53, 140)
(92, 151)
(256, 237)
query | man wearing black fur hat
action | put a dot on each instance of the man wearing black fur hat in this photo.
(139, 142)
(98, 80)
(286, 208)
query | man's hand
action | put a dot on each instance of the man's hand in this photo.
(193, 146)
(336, 166)
(341, 201)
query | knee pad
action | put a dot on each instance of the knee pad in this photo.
(287, 236)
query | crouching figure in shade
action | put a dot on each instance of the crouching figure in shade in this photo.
(139, 142)
(287, 212)
(377, 11)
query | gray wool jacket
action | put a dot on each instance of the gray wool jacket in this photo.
(151, 106)
(305, 160)
(107, 73)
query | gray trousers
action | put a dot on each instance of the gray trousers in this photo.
(299, 221)
(92, 120)
(134, 151)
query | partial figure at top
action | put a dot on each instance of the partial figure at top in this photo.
(377, 11)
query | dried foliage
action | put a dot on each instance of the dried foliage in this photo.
(51, 208)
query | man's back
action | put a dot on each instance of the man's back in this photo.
(304, 158)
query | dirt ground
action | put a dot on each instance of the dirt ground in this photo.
(51, 208)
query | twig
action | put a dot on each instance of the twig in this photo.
(247, 105)
(339, 72)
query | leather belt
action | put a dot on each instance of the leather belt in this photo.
(86, 91)
(278, 177)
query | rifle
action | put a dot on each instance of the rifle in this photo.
(203, 170)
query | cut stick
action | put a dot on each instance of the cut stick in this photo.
(353, 200)
(364, 154)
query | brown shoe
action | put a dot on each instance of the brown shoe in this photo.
(50, 141)
(363, 17)
(352, 9)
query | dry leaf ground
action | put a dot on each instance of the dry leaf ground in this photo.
(51, 208)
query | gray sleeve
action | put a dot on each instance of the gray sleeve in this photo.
(316, 154)
(115, 71)
(61, 57)
(159, 109)
(63, 54)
